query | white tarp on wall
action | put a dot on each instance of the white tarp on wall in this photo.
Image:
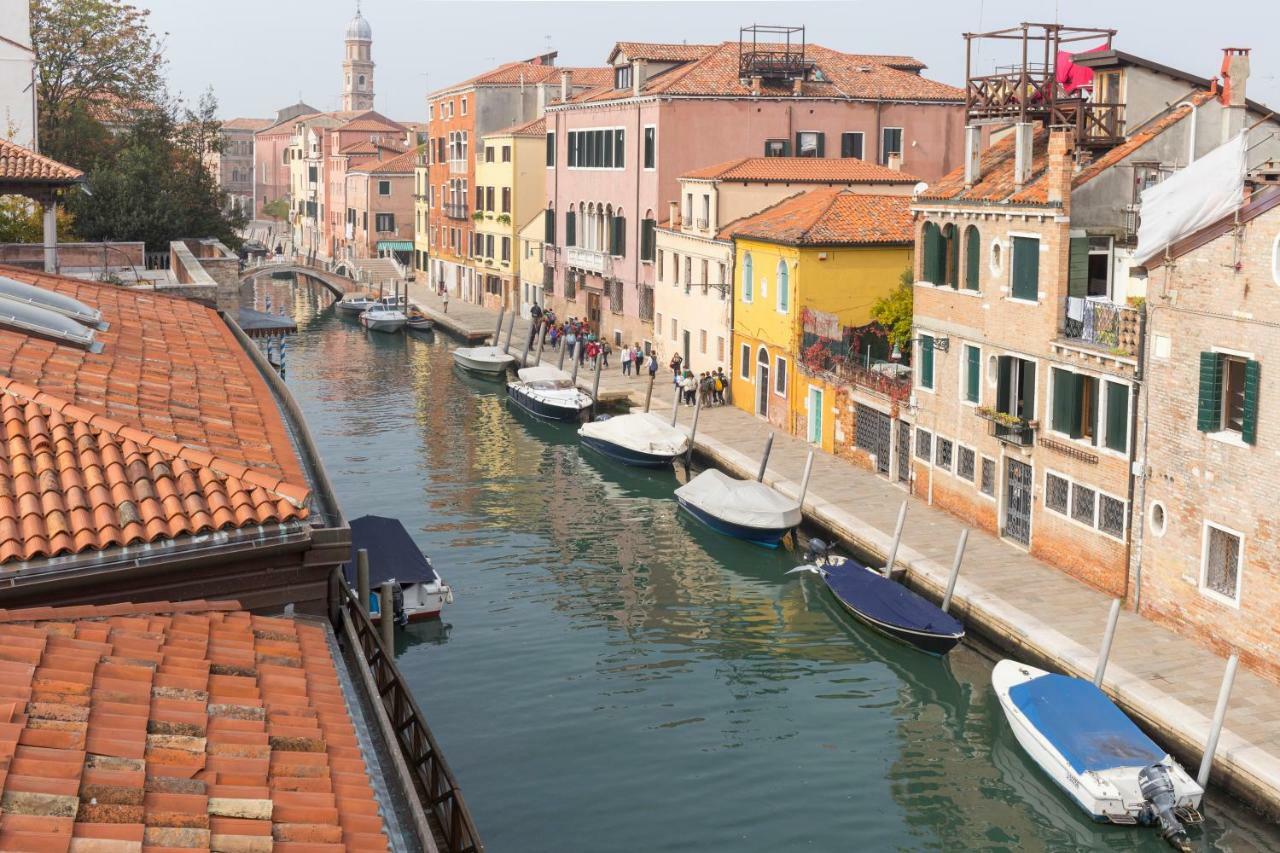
(1204, 192)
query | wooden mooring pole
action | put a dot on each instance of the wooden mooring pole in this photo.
(897, 540)
(362, 579)
(563, 346)
(595, 388)
(955, 569)
(693, 429)
(648, 395)
(511, 327)
(764, 459)
(675, 404)
(524, 356)
(387, 618)
(1113, 619)
(1219, 717)
(497, 330)
(542, 339)
(804, 481)
(577, 345)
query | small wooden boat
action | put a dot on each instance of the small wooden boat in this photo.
(744, 509)
(419, 322)
(1095, 753)
(489, 361)
(641, 439)
(548, 393)
(393, 556)
(883, 604)
(356, 303)
(383, 319)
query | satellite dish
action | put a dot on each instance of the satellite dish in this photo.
(919, 188)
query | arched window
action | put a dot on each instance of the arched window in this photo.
(784, 288)
(762, 356)
(972, 257)
(930, 253)
(746, 277)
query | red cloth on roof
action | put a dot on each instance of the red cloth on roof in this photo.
(1072, 77)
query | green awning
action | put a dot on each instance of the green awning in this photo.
(395, 245)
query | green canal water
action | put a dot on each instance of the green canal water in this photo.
(614, 677)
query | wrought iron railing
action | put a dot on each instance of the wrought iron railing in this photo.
(455, 210)
(1009, 428)
(646, 303)
(436, 786)
(1101, 324)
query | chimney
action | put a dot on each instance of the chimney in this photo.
(673, 212)
(639, 75)
(1060, 167)
(1023, 139)
(566, 79)
(1235, 73)
(797, 86)
(972, 155)
(755, 84)
(894, 161)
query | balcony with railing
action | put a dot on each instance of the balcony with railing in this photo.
(456, 210)
(458, 167)
(1008, 428)
(1102, 324)
(589, 260)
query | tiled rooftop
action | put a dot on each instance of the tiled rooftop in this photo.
(536, 127)
(169, 430)
(801, 170)
(20, 164)
(530, 73)
(373, 123)
(713, 71)
(658, 52)
(401, 164)
(830, 217)
(156, 727)
(247, 123)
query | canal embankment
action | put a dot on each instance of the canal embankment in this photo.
(1021, 605)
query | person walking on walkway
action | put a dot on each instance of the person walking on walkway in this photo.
(446, 301)
(720, 384)
(605, 349)
(626, 359)
(653, 363)
(676, 363)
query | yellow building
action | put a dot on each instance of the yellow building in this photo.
(510, 189)
(818, 260)
(423, 199)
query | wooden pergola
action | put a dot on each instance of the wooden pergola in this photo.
(41, 179)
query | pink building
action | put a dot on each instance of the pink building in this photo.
(615, 152)
(379, 202)
(271, 157)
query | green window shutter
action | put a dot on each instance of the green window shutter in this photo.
(1026, 268)
(1209, 413)
(1078, 267)
(570, 231)
(972, 256)
(1064, 390)
(930, 238)
(549, 231)
(822, 145)
(926, 361)
(1117, 437)
(1004, 384)
(1249, 429)
(620, 227)
(1028, 391)
(974, 377)
(953, 261)
(1093, 409)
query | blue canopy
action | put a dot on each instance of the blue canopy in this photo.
(887, 601)
(393, 555)
(1083, 724)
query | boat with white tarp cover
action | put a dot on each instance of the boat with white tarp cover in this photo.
(489, 361)
(746, 509)
(549, 393)
(642, 439)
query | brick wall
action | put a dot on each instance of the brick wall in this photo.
(1223, 296)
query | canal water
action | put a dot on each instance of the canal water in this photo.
(614, 677)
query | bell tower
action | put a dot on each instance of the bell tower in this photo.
(357, 65)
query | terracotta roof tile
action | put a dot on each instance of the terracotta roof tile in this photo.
(537, 127)
(830, 216)
(254, 124)
(118, 757)
(657, 52)
(401, 164)
(802, 170)
(170, 430)
(530, 73)
(20, 165)
(372, 124)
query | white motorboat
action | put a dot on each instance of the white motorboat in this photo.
(642, 439)
(549, 393)
(745, 509)
(356, 303)
(489, 361)
(384, 319)
(399, 301)
(1095, 753)
(419, 591)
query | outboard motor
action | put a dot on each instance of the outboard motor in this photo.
(816, 551)
(397, 605)
(1157, 790)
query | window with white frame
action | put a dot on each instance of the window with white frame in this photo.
(746, 277)
(987, 485)
(890, 143)
(943, 452)
(1222, 561)
(744, 362)
(1084, 504)
(780, 376)
(965, 463)
(784, 288)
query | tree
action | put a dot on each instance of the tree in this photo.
(97, 62)
(278, 209)
(22, 221)
(894, 312)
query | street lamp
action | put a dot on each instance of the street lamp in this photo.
(939, 344)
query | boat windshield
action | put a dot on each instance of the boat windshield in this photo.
(550, 384)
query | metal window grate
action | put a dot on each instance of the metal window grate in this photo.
(1222, 566)
(964, 464)
(924, 444)
(944, 453)
(1082, 503)
(1055, 493)
(988, 476)
(1111, 516)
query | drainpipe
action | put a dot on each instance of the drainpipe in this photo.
(639, 170)
(1191, 141)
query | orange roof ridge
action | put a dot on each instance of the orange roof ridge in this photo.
(98, 612)
(22, 164)
(163, 446)
(831, 216)
(802, 170)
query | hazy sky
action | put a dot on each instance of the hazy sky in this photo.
(259, 55)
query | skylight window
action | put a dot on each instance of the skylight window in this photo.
(35, 320)
(50, 300)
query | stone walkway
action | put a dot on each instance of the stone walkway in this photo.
(1036, 612)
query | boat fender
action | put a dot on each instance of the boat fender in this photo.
(1157, 790)
(602, 418)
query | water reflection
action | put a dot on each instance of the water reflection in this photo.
(615, 676)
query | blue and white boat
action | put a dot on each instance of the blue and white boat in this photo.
(1095, 753)
(882, 603)
(745, 509)
(393, 556)
(642, 439)
(548, 393)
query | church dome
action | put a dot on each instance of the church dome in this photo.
(359, 29)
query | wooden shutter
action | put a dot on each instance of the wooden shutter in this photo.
(1093, 407)
(953, 257)
(570, 228)
(822, 144)
(973, 380)
(1026, 268)
(1209, 412)
(1028, 382)
(972, 256)
(1004, 384)
(926, 361)
(1117, 437)
(1078, 267)
(1064, 391)
(619, 236)
(1249, 427)
(930, 238)
(549, 227)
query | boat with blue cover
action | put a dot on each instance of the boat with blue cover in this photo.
(395, 557)
(882, 603)
(745, 509)
(1095, 753)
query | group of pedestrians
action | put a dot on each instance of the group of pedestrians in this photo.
(635, 359)
(710, 384)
